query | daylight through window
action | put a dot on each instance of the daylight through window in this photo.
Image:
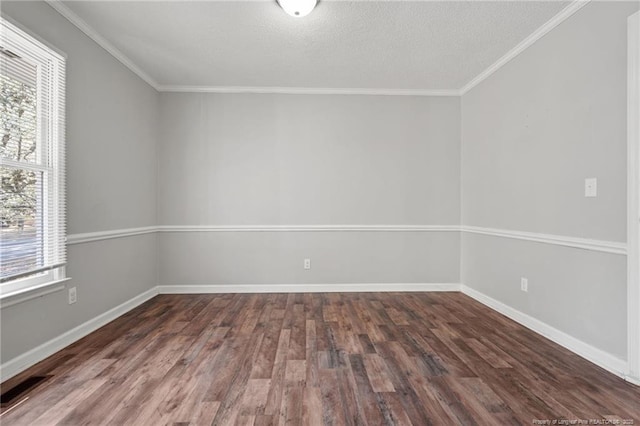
(32, 204)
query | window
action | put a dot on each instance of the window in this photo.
(32, 199)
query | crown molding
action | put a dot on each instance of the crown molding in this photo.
(306, 90)
(63, 10)
(563, 15)
(102, 42)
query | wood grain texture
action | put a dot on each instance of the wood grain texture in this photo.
(316, 359)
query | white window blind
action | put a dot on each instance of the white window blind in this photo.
(32, 192)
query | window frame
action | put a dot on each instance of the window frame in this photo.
(50, 150)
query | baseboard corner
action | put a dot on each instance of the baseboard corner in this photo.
(633, 380)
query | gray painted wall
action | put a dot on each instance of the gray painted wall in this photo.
(311, 160)
(202, 258)
(532, 132)
(111, 183)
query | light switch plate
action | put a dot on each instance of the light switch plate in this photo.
(591, 187)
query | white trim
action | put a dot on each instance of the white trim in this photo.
(613, 247)
(107, 235)
(567, 12)
(35, 36)
(71, 16)
(633, 198)
(307, 90)
(307, 288)
(32, 357)
(597, 356)
(33, 292)
(50, 160)
(632, 380)
(309, 228)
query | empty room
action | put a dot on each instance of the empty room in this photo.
(331, 212)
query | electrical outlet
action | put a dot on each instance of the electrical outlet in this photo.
(524, 284)
(307, 264)
(73, 295)
(591, 187)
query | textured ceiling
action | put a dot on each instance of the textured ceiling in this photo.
(400, 45)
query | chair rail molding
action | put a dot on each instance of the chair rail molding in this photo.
(612, 247)
(89, 237)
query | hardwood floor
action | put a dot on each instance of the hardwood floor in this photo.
(342, 359)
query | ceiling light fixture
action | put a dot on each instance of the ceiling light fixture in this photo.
(297, 8)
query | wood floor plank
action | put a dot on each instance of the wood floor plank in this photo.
(274, 398)
(378, 373)
(297, 343)
(333, 410)
(255, 396)
(311, 359)
(311, 356)
(312, 406)
(57, 412)
(392, 406)
(205, 413)
(374, 413)
(484, 405)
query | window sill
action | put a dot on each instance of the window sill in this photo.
(19, 296)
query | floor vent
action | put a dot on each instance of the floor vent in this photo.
(22, 388)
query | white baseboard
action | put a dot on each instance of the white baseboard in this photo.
(306, 288)
(632, 380)
(597, 356)
(28, 359)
